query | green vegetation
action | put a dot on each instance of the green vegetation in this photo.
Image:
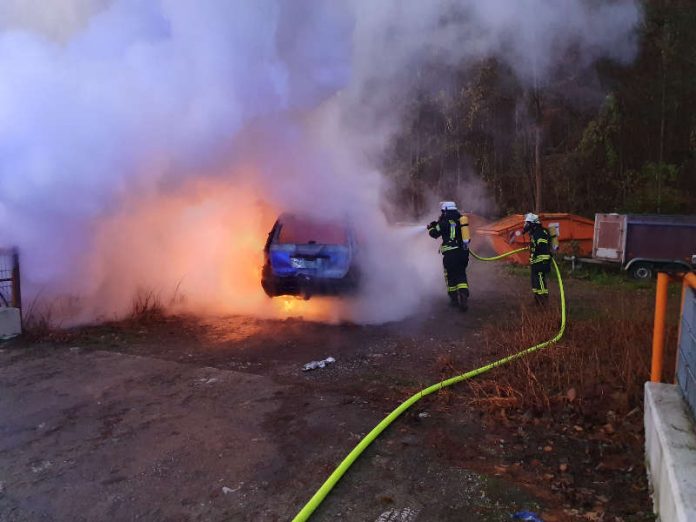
(604, 276)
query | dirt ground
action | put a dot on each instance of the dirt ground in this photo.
(213, 419)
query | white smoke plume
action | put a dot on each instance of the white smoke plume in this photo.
(150, 145)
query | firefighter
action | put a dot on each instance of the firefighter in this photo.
(453, 228)
(539, 256)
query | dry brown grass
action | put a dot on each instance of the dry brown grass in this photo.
(147, 306)
(37, 324)
(43, 318)
(603, 358)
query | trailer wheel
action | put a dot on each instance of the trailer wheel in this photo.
(642, 271)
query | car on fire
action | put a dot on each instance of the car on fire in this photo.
(306, 256)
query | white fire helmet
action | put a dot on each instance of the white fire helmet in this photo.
(531, 218)
(448, 205)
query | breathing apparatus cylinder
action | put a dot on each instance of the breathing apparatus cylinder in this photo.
(554, 231)
(464, 222)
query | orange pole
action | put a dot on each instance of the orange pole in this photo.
(690, 279)
(659, 327)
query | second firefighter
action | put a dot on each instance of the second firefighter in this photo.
(453, 228)
(539, 256)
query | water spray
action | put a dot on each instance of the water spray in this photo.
(409, 231)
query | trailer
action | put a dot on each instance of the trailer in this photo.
(642, 244)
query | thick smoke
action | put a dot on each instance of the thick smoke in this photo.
(148, 146)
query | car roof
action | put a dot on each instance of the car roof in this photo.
(302, 228)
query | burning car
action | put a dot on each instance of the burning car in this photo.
(305, 256)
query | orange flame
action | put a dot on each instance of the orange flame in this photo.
(205, 243)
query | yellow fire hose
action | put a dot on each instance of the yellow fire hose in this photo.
(501, 256)
(328, 485)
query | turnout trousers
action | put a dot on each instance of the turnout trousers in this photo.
(539, 271)
(455, 263)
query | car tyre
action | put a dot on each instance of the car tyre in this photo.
(267, 282)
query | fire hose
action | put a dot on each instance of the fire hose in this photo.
(501, 256)
(348, 461)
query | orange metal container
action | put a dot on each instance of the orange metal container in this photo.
(574, 235)
(476, 222)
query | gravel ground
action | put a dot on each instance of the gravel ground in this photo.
(182, 418)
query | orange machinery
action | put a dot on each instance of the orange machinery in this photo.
(575, 234)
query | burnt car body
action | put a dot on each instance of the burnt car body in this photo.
(305, 256)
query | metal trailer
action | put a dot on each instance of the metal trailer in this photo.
(643, 243)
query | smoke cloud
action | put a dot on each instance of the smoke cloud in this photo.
(150, 145)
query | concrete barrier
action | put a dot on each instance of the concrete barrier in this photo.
(670, 447)
(10, 322)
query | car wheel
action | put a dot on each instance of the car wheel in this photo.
(269, 288)
(351, 282)
(267, 282)
(642, 271)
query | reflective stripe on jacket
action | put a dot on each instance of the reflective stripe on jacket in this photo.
(453, 228)
(539, 246)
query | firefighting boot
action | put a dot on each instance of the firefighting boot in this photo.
(463, 295)
(541, 300)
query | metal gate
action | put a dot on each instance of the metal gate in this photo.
(686, 360)
(10, 291)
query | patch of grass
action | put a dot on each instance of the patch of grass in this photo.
(604, 275)
(600, 275)
(146, 306)
(517, 270)
(42, 319)
(604, 359)
(37, 324)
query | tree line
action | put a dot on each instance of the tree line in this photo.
(609, 138)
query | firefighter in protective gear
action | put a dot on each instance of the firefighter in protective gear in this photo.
(453, 228)
(539, 256)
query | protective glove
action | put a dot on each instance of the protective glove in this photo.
(432, 224)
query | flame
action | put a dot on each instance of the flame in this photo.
(315, 309)
(288, 304)
(205, 242)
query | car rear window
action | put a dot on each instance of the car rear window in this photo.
(302, 231)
